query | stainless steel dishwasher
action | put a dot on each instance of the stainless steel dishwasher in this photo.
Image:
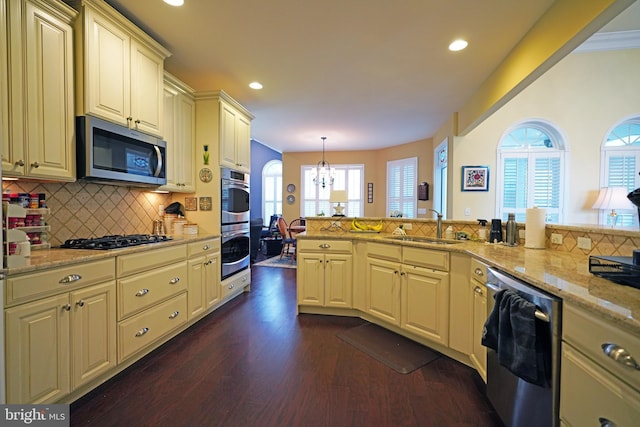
(518, 402)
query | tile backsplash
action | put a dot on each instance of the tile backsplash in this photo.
(80, 209)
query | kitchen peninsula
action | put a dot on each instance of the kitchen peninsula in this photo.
(432, 293)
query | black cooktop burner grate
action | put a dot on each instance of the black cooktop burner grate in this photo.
(114, 241)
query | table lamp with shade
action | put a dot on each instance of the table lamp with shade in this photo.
(338, 196)
(612, 198)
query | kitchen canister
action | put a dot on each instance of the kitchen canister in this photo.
(178, 226)
(535, 237)
(190, 229)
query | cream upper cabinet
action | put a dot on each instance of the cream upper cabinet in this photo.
(40, 141)
(4, 88)
(235, 134)
(120, 70)
(179, 132)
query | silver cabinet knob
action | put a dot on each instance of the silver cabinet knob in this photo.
(20, 163)
(606, 423)
(66, 307)
(35, 165)
(70, 279)
(477, 290)
(80, 303)
(174, 280)
(478, 271)
(206, 247)
(620, 355)
(174, 315)
(141, 332)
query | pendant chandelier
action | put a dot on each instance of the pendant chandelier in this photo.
(323, 174)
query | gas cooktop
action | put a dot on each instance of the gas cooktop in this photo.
(114, 241)
(619, 269)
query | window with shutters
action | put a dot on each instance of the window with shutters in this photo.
(315, 199)
(531, 167)
(402, 183)
(271, 189)
(621, 165)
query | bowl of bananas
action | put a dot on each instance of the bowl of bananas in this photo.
(360, 227)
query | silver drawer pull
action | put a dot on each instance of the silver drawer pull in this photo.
(174, 280)
(324, 246)
(478, 272)
(477, 290)
(142, 292)
(70, 279)
(606, 423)
(174, 315)
(141, 332)
(206, 247)
(231, 286)
(620, 355)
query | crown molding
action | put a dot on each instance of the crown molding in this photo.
(618, 40)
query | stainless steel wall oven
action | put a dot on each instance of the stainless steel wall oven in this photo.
(234, 215)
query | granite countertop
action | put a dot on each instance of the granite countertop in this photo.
(562, 274)
(58, 257)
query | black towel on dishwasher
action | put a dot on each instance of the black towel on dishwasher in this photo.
(521, 344)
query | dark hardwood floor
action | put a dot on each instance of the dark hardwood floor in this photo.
(254, 362)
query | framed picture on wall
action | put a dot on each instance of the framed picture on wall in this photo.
(475, 178)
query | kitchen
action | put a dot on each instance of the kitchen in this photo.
(149, 205)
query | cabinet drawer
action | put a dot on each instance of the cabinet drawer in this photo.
(135, 263)
(384, 251)
(324, 245)
(147, 327)
(138, 292)
(30, 286)
(588, 333)
(589, 395)
(208, 246)
(478, 271)
(230, 286)
(437, 260)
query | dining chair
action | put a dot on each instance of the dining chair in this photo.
(287, 241)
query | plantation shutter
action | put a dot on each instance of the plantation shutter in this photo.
(621, 172)
(402, 179)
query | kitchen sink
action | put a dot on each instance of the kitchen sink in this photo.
(432, 240)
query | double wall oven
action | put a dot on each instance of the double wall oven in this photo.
(234, 205)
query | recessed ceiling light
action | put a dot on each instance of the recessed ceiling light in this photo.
(174, 2)
(255, 85)
(457, 45)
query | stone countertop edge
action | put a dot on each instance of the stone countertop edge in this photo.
(561, 274)
(59, 257)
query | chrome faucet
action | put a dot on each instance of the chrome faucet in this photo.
(438, 224)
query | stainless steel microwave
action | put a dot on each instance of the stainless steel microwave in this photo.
(114, 154)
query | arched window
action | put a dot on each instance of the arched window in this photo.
(531, 171)
(271, 189)
(621, 165)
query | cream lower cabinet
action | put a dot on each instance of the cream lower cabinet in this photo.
(599, 384)
(204, 277)
(478, 289)
(40, 77)
(325, 273)
(152, 298)
(59, 339)
(404, 289)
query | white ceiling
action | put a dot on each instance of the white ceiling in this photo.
(365, 73)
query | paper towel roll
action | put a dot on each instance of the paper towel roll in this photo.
(535, 228)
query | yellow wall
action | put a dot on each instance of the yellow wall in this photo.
(375, 167)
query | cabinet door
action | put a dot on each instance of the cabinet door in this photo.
(185, 143)
(479, 354)
(38, 358)
(49, 95)
(108, 64)
(425, 303)
(147, 83)
(338, 277)
(243, 143)
(5, 146)
(383, 290)
(93, 332)
(228, 136)
(170, 97)
(212, 276)
(310, 279)
(196, 288)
